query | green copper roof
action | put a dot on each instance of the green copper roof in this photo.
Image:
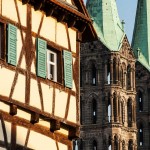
(106, 22)
(141, 35)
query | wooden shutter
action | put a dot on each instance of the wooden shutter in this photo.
(12, 44)
(67, 68)
(41, 47)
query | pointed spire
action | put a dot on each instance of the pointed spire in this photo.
(141, 34)
(106, 22)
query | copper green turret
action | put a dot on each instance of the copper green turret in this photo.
(106, 22)
(141, 35)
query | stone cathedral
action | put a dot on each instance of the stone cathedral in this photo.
(115, 81)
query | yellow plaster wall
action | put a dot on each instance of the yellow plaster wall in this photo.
(47, 97)
(60, 103)
(61, 36)
(34, 94)
(19, 90)
(40, 142)
(72, 110)
(44, 123)
(23, 114)
(1, 132)
(6, 79)
(21, 135)
(8, 130)
(48, 29)
(5, 107)
(72, 36)
(9, 11)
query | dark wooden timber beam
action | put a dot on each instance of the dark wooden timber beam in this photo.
(71, 21)
(25, 1)
(61, 16)
(13, 109)
(49, 10)
(38, 4)
(73, 133)
(34, 118)
(55, 125)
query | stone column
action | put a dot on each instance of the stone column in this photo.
(134, 79)
(131, 79)
(106, 110)
(117, 72)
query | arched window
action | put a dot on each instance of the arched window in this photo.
(140, 133)
(114, 71)
(94, 145)
(114, 107)
(93, 74)
(108, 73)
(121, 77)
(94, 113)
(122, 112)
(140, 101)
(129, 111)
(115, 143)
(109, 109)
(109, 143)
(130, 145)
(129, 77)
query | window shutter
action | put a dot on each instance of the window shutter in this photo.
(12, 44)
(41, 57)
(68, 68)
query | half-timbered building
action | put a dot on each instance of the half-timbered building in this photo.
(39, 72)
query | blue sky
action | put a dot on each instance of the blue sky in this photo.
(127, 10)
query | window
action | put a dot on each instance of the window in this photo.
(140, 133)
(94, 111)
(51, 65)
(140, 101)
(94, 145)
(93, 75)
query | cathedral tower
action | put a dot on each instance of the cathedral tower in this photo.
(141, 47)
(108, 96)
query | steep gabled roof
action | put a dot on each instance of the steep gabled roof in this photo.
(106, 22)
(141, 35)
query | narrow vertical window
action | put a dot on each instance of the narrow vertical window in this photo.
(129, 110)
(140, 135)
(140, 101)
(94, 145)
(128, 77)
(51, 65)
(109, 110)
(115, 143)
(130, 145)
(108, 73)
(93, 75)
(94, 111)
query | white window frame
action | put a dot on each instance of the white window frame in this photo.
(52, 63)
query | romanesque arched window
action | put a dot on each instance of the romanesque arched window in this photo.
(140, 101)
(115, 143)
(130, 145)
(129, 77)
(109, 108)
(122, 112)
(94, 112)
(95, 145)
(129, 112)
(121, 77)
(140, 134)
(114, 70)
(114, 107)
(93, 74)
(108, 73)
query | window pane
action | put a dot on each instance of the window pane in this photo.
(52, 57)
